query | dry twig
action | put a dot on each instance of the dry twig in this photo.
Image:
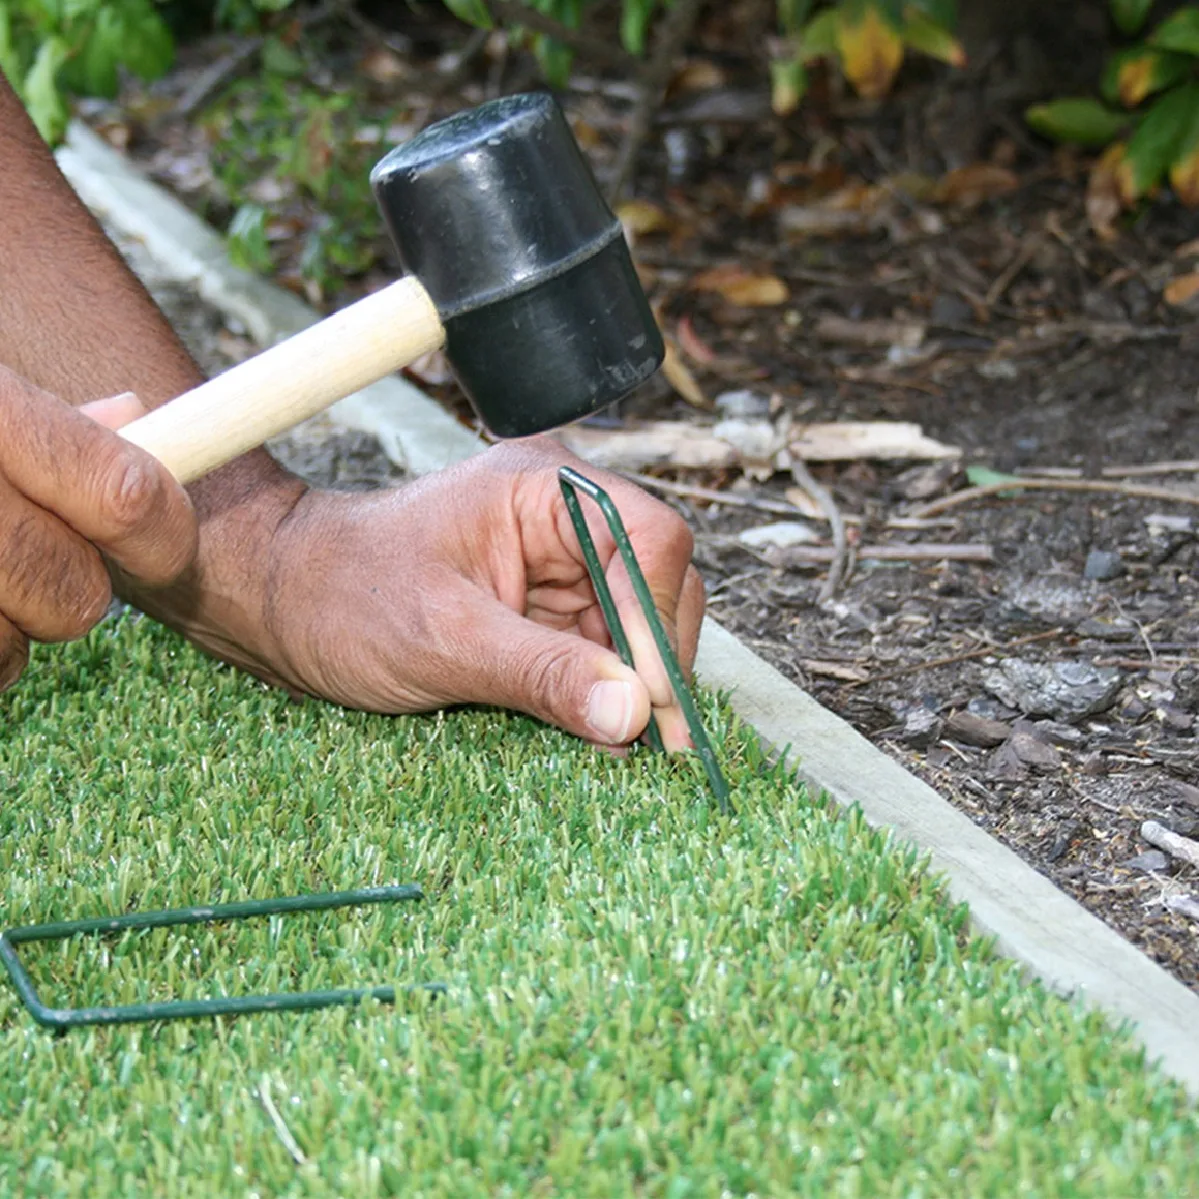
(952, 659)
(1132, 490)
(279, 1124)
(839, 570)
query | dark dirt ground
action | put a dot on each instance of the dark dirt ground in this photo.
(1041, 349)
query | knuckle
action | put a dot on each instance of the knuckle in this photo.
(546, 673)
(90, 601)
(133, 494)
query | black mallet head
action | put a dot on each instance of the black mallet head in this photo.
(496, 212)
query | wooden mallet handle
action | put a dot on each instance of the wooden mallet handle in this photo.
(286, 384)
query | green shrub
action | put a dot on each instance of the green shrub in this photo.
(866, 39)
(51, 46)
(1147, 114)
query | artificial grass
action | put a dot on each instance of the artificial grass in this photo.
(645, 999)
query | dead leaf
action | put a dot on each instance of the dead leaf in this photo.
(1181, 290)
(739, 287)
(643, 216)
(968, 186)
(1103, 193)
(804, 503)
(381, 65)
(699, 75)
(678, 374)
(432, 369)
(841, 671)
(692, 344)
(871, 50)
(845, 441)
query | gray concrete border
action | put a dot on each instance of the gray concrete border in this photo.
(1055, 938)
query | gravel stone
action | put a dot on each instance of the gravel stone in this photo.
(1066, 691)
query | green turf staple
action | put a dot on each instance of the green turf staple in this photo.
(571, 483)
(61, 1019)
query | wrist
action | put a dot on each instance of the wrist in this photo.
(223, 602)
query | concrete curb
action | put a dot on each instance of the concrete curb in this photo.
(1057, 939)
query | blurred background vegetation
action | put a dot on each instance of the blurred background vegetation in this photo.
(1141, 119)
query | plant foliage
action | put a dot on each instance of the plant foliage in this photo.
(1147, 114)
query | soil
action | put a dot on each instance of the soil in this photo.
(1041, 348)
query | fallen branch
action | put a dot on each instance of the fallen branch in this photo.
(1131, 490)
(1182, 848)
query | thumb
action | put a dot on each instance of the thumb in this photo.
(560, 678)
(114, 411)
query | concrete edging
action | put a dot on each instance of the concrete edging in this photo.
(1058, 940)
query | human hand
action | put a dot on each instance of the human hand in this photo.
(468, 586)
(72, 493)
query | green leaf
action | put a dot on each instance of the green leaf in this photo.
(1082, 120)
(10, 62)
(634, 24)
(926, 36)
(1153, 146)
(280, 59)
(473, 12)
(1129, 15)
(41, 93)
(1179, 31)
(248, 246)
(1140, 71)
(788, 85)
(984, 476)
(792, 14)
(941, 12)
(818, 38)
(1184, 170)
(94, 71)
(150, 48)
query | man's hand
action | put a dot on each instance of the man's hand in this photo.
(468, 586)
(72, 493)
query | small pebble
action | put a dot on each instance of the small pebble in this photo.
(921, 728)
(1034, 752)
(1147, 862)
(1175, 719)
(780, 535)
(1106, 630)
(1102, 565)
(1185, 685)
(1005, 763)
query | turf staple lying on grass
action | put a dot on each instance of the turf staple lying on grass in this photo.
(645, 998)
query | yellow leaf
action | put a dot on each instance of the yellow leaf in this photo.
(678, 375)
(740, 287)
(1103, 192)
(642, 216)
(1181, 290)
(871, 50)
(1134, 79)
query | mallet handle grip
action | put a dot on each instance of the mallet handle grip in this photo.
(293, 380)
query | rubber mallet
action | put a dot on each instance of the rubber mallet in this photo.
(514, 263)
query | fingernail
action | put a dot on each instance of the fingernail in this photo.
(610, 708)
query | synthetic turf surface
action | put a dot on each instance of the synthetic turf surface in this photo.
(644, 999)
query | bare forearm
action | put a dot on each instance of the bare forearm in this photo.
(77, 322)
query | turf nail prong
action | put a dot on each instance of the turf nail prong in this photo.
(61, 1019)
(571, 482)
